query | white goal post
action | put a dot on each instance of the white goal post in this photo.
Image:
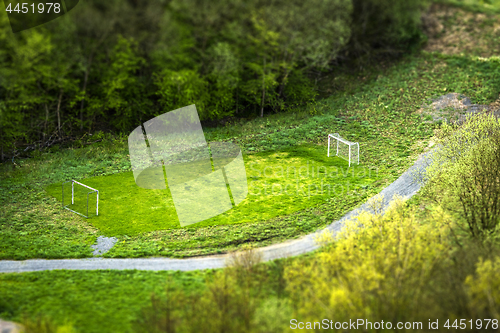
(93, 190)
(353, 148)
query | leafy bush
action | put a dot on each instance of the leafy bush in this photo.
(45, 325)
(231, 302)
(379, 268)
(464, 173)
(484, 289)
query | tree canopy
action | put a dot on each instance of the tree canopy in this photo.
(113, 65)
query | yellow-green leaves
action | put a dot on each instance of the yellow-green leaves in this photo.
(379, 268)
(484, 288)
(464, 176)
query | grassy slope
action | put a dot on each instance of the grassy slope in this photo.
(392, 100)
(380, 114)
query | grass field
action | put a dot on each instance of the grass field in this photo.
(280, 183)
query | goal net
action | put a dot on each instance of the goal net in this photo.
(80, 198)
(344, 149)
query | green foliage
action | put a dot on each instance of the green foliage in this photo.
(225, 77)
(384, 26)
(114, 65)
(379, 267)
(464, 173)
(44, 325)
(483, 289)
(122, 89)
(31, 67)
(480, 6)
(177, 89)
(311, 34)
(299, 90)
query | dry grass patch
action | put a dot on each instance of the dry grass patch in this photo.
(454, 31)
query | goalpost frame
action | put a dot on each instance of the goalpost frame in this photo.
(73, 197)
(337, 137)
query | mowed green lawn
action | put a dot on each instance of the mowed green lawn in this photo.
(279, 183)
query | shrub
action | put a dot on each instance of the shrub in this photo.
(484, 289)
(464, 174)
(227, 304)
(168, 313)
(380, 268)
(44, 325)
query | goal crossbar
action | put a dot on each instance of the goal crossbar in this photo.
(93, 190)
(337, 137)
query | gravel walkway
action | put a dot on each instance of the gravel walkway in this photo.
(406, 186)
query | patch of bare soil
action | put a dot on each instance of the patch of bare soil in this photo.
(455, 31)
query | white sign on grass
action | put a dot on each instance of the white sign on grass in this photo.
(198, 174)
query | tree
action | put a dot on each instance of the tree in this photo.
(464, 174)
(177, 89)
(263, 64)
(124, 93)
(224, 76)
(36, 79)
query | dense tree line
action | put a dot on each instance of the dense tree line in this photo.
(113, 65)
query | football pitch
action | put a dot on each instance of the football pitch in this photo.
(279, 183)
